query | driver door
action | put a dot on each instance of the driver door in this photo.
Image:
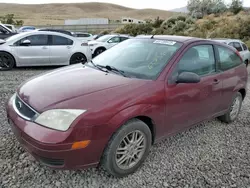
(191, 103)
(37, 53)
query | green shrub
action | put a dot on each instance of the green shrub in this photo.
(181, 18)
(237, 27)
(135, 29)
(248, 43)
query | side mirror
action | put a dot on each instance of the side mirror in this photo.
(25, 43)
(188, 77)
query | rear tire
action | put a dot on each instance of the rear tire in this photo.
(234, 109)
(78, 58)
(127, 149)
(7, 62)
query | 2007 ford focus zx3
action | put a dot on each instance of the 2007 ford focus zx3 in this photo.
(110, 111)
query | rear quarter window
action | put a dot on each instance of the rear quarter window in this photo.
(228, 58)
(61, 41)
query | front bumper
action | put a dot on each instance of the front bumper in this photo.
(51, 147)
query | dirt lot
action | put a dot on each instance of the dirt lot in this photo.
(209, 155)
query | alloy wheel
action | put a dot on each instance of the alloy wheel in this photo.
(130, 150)
(5, 62)
(235, 108)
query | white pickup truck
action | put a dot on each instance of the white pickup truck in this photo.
(240, 46)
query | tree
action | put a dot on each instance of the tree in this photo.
(9, 19)
(236, 6)
(205, 7)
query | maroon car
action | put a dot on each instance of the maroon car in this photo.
(111, 110)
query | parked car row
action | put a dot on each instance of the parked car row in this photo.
(42, 48)
(83, 47)
(111, 110)
(46, 47)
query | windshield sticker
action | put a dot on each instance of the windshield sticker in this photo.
(171, 43)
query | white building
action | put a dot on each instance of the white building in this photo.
(125, 20)
(87, 21)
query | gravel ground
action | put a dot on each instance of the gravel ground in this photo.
(212, 154)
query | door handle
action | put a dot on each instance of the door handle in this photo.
(45, 47)
(216, 81)
(68, 47)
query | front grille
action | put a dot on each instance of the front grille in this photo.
(51, 162)
(23, 109)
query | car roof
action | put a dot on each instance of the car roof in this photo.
(45, 33)
(226, 40)
(169, 37)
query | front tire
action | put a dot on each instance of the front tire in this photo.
(98, 51)
(7, 62)
(234, 109)
(127, 149)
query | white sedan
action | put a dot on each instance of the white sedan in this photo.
(106, 42)
(42, 48)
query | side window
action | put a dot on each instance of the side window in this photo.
(228, 58)
(61, 41)
(198, 59)
(114, 40)
(123, 38)
(237, 46)
(36, 40)
(244, 47)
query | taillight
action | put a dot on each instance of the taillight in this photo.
(84, 44)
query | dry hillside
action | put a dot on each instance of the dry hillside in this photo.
(57, 13)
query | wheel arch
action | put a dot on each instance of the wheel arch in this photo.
(100, 47)
(242, 91)
(10, 55)
(134, 112)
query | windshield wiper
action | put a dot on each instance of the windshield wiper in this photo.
(113, 69)
(98, 66)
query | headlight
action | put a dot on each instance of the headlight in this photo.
(59, 119)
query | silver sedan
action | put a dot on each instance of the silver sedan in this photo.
(42, 48)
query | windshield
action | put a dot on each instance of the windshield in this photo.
(104, 38)
(139, 58)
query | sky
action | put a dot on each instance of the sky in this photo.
(156, 4)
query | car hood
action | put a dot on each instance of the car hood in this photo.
(64, 84)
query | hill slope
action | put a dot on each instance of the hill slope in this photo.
(57, 13)
(182, 9)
